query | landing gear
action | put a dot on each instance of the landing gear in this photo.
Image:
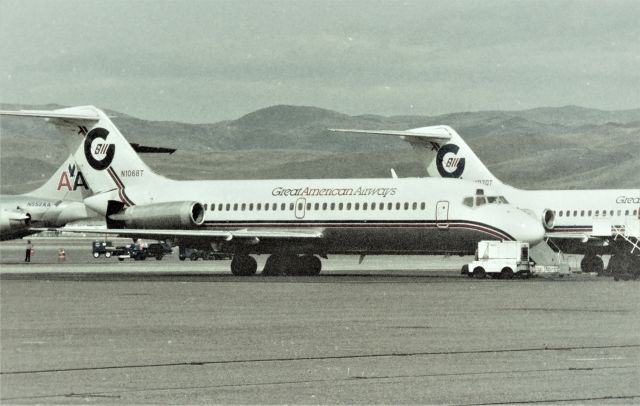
(291, 264)
(592, 263)
(243, 265)
(624, 266)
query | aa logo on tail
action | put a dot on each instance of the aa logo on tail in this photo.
(98, 155)
(449, 165)
(78, 179)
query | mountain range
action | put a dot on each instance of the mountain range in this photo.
(552, 148)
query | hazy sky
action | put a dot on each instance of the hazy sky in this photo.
(205, 61)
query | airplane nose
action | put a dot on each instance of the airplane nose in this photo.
(528, 229)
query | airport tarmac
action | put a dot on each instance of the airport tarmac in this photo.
(391, 330)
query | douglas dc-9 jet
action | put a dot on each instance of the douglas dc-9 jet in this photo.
(569, 216)
(295, 222)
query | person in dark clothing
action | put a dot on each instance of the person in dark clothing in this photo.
(27, 253)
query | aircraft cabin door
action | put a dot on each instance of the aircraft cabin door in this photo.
(442, 214)
(300, 207)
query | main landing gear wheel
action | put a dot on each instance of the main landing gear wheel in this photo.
(243, 265)
(291, 264)
(592, 263)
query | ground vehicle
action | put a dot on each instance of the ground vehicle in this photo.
(134, 251)
(500, 259)
(102, 248)
(159, 250)
(193, 254)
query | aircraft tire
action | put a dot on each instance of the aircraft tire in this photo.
(243, 265)
(310, 265)
(592, 263)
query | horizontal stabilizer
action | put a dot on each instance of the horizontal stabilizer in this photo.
(82, 115)
(143, 149)
(417, 137)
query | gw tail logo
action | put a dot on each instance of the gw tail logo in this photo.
(78, 180)
(100, 154)
(453, 166)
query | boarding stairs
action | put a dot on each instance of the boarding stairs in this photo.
(629, 230)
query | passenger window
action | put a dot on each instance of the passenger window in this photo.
(575, 213)
(423, 205)
(619, 212)
(316, 206)
(373, 206)
(244, 206)
(324, 206)
(560, 213)
(467, 201)
(205, 207)
(611, 213)
(389, 206)
(406, 205)
(356, 206)
(259, 206)
(235, 207)
(589, 213)
(228, 208)
(283, 207)
(364, 206)
(250, 206)
(333, 206)
(340, 206)
(291, 206)
(348, 206)
(381, 207)
(626, 212)
(414, 206)
(597, 213)
(213, 207)
(309, 206)
(220, 207)
(581, 213)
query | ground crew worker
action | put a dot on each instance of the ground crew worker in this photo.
(27, 252)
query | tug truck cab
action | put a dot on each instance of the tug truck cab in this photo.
(500, 259)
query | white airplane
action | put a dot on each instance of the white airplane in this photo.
(567, 215)
(295, 221)
(54, 204)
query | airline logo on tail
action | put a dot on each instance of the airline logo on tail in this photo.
(99, 155)
(76, 175)
(449, 165)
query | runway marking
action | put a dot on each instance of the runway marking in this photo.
(537, 401)
(356, 378)
(596, 359)
(318, 358)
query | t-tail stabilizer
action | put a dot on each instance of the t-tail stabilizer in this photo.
(445, 153)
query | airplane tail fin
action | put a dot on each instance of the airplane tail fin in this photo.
(107, 161)
(445, 153)
(67, 183)
(455, 159)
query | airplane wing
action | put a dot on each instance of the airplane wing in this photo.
(431, 137)
(227, 235)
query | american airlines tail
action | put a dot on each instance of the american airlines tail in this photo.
(67, 183)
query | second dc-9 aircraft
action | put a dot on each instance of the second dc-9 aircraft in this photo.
(295, 222)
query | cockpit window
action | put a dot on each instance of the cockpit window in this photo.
(482, 200)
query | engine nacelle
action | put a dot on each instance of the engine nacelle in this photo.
(548, 219)
(158, 216)
(13, 224)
